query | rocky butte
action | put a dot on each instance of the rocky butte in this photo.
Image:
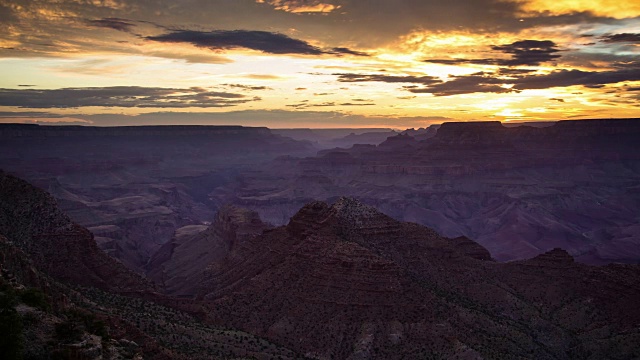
(364, 285)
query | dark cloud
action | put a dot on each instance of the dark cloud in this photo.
(564, 78)
(343, 50)
(113, 23)
(268, 42)
(467, 84)
(483, 82)
(249, 87)
(120, 96)
(424, 80)
(529, 52)
(297, 106)
(265, 41)
(622, 38)
(607, 60)
(523, 53)
(557, 99)
(513, 72)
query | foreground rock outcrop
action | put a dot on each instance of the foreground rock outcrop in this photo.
(31, 221)
(62, 297)
(348, 282)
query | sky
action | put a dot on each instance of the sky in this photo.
(317, 63)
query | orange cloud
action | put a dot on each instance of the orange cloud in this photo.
(615, 9)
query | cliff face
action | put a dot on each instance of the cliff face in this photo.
(31, 220)
(179, 265)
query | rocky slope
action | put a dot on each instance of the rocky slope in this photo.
(347, 282)
(31, 221)
(62, 297)
(519, 191)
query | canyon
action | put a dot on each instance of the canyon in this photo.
(520, 191)
(340, 280)
(462, 240)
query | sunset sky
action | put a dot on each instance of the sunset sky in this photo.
(317, 63)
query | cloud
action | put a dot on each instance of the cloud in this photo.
(513, 72)
(264, 41)
(483, 82)
(564, 78)
(529, 52)
(248, 87)
(343, 51)
(424, 80)
(617, 9)
(324, 104)
(262, 76)
(301, 6)
(622, 38)
(113, 23)
(523, 53)
(120, 96)
(467, 84)
(267, 42)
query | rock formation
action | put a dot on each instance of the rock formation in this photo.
(345, 281)
(519, 190)
(179, 265)
(133, 187)
(31, 221)
(62, 297)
